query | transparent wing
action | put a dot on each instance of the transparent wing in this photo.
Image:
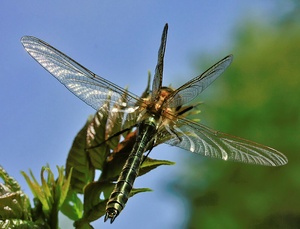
(200, 139)
(92, 89)
(194, 87)
(157, 80)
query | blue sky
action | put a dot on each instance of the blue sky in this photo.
(118, 41)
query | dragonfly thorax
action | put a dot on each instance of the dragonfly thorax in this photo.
(156, 105)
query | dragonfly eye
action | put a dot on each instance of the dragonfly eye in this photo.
(165, 91)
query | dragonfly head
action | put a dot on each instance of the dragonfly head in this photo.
(160, 98)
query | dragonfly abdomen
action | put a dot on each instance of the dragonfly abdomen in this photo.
(124, 185)
(120, 194)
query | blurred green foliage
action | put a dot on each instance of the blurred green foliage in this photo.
(258, 98)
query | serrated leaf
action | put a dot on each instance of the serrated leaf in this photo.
(78, 159)
(114, 123)
(100, 133)
(97, 149)
(14, 204)
(9, 181)
(21, 224)
(114, 165)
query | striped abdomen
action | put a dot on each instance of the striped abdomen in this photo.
(120, 194)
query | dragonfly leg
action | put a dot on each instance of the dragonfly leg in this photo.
(111, 137)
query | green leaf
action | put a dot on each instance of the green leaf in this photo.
(135, 191)
(63, 186)
(150, 164)
(72, 206)
(97, 148)
(14, 204)
(9, 181)
(78, 159)
(94, 206)
(38, 192)
(21, 224)
(50, 195)
(81, 224)
(45, 189)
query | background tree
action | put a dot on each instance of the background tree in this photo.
(257, 99)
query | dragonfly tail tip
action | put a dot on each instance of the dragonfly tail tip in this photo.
(112, 215)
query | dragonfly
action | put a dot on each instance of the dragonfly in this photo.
(158, 118)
